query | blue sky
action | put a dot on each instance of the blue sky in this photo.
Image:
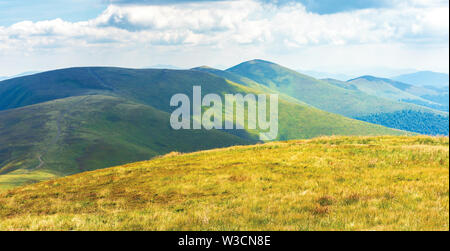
(342, 36)
(71, 10)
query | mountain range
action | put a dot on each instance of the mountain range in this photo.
(425, 78)
(395, 90)
(67, 121)
(349, 100)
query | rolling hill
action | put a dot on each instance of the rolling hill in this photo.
(350, 102)
(425, 78)
(73, 120)
(435, 84)
(328, 183)
(77, 134)
(398, 91)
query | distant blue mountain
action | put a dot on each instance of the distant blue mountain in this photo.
(425, 78)
(327, 75)
(165, 66)
(396, 84)
(429, 96)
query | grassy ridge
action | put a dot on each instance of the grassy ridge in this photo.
(330, 183)
(318, 93)
(348, 99)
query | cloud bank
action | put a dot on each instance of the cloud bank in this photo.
(270, 26)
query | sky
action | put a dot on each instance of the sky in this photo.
(351, 37)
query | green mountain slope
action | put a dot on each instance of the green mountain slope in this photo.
(304, 120)
(431, 97)
(232, 77)
(77, 134)
(156, 87)
(77, 119)
(330, 97)
(153, 87)
(247, 82)
(436, 85)
(398, 91)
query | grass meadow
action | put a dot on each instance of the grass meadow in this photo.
(326, 183)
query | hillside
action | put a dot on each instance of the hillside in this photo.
(72, 120)
(425, 78)
(77, 134)
(330, 97)
(435, 84)
(397, 91)
(330, 183)
(247, 82)
(320, 94)
(232, 77)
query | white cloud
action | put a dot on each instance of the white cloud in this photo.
(228, 25)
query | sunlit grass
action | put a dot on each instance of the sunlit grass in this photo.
(329, 183)
(20, 177)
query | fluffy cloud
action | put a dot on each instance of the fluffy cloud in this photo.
(316, 6)
(268, 25)
(241, 22)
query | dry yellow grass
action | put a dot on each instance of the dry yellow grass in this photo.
(330, 183)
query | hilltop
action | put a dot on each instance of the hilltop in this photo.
(327, 183)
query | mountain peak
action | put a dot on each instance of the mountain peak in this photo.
(255, 63)
(366, 77)
(258, 61)
(203, 67)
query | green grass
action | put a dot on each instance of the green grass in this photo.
(328, 183)
(95, 132)
(124, 117)
(23, 177)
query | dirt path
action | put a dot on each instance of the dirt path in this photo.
(66, 111)
(58, 132)
(41, 162)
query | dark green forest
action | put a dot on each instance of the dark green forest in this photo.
(413, 121)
